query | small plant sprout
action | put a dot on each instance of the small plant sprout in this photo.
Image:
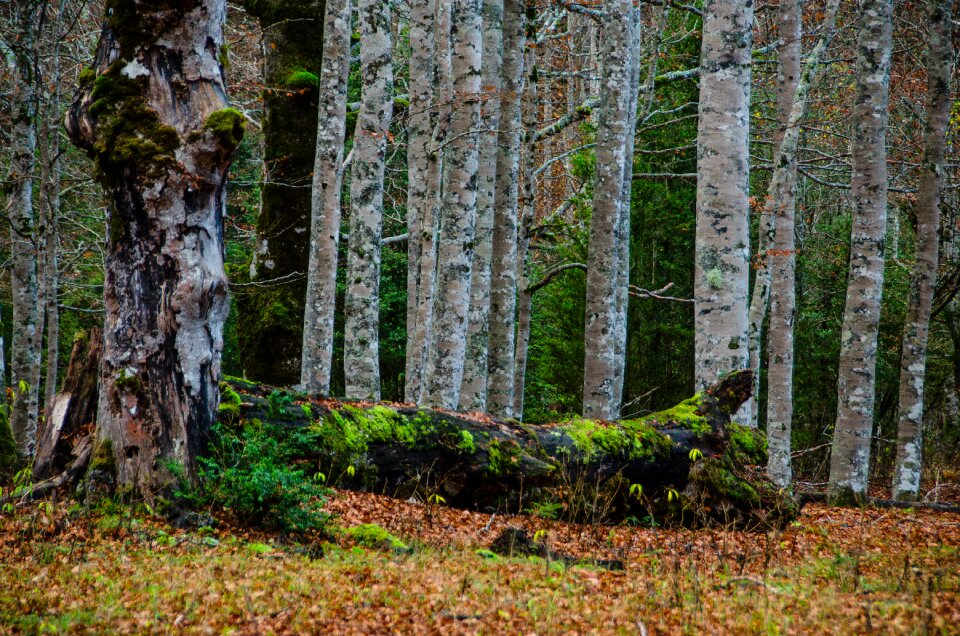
(322, 478)
(636, 490)
(672, 494)
(351, 471)
(695, 454)
(436, 499)
(539, 536)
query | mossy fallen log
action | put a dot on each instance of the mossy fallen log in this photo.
(689, 464)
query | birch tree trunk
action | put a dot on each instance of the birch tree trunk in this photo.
(722, 252)
(162, 155)
(458, 212)
(421, 164)
(318, 319)
(850, 458)
(426, 284)
(906, 476)
(604, 355)
(50, 189)
(783, 258)
(361, 357)
(473, 391)
(26, 331)
(527, 203)
(270, 314)
(503, 285)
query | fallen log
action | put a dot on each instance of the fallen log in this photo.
(688, 464)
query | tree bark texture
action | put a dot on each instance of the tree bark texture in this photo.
(25, 344)
(503, 283)
(320, 304)
(722, 252)
(906, 476)
(783, 258)
(604, 305)
(271, 313)
(421, 199)
(458, 212)
(473, 391)
(850, 458)
(498, 465)
(154, 121)
(361, 358)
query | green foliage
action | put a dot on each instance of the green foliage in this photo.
(371, 535)
(252, 472)
(229, 402)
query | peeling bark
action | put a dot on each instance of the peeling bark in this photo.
(850, 457)
(320, 304)
(155, 123)
(906, 474)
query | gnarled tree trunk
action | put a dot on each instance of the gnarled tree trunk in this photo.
(153, 119)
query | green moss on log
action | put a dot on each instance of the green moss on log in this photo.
(301, 80)
(102, 460)
(632, 439)
(686, 414)
(227, 127)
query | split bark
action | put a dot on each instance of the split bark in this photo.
(162, 155)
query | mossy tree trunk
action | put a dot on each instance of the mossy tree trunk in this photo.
(686, 463)
(270, 314)
(151, 113)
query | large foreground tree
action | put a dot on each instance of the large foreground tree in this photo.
(152, 114)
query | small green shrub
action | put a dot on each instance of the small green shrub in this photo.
(252, 472)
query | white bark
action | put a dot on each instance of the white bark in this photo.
(722, 252)
(503, 292)
(318, 329)
(420, 199)
(850, 458)
(362, 303)
(473, 392)
(782, 203)
(605, 324)
(458, 212)
(26, 328)
(906, 474)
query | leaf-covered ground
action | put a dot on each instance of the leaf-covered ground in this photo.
(833, 571)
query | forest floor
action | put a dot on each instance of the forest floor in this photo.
(63, 569)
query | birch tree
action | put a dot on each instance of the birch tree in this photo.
(473, 392)
(422, 167)
(615, 124)
(362, 302)
(906, 476)
(458, 212)
(318, 320)
(722, 252)
(850, 457)
(162, 155)
(27, 331)
(503, 286)
(783, 258)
